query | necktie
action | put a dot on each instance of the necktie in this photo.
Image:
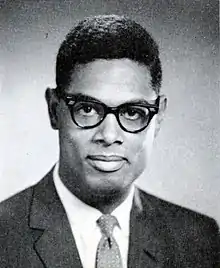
(108, 253)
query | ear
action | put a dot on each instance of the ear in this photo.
(161, 112)
(52, 103)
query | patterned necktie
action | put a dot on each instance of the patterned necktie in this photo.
(108, 253)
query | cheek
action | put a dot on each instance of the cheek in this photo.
(149, 139)
(70, 135)
(72, 140)
(142, 145)
(137, 157)
(137, 149)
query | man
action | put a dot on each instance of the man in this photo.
(86, 212)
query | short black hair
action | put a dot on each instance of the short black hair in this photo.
(107, 37)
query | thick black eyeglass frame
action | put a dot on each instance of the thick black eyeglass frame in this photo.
(70, 100)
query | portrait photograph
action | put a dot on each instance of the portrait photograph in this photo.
(109, 134)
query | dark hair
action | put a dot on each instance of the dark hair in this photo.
(107, 37)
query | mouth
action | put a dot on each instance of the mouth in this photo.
(106, 163)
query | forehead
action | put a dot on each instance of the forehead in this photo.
(112, 81)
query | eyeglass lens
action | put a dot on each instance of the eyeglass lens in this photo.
(131, 117)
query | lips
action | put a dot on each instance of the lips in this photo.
(106, 163)
(106, 157)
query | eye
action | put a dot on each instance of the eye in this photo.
(85, 109)
(134, 113)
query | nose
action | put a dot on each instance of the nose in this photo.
(109, 131)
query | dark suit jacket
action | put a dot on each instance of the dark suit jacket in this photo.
(35, 233)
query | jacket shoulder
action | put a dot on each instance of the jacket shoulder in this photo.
(190, 231)
(15, 210)
(174, 213)
(178, 217)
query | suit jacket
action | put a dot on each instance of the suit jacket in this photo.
(35, 233)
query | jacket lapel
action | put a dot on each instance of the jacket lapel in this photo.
(148, 235)
(55, 244)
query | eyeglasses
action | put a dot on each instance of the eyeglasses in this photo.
(87, 112)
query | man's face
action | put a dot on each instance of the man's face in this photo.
(105, 159)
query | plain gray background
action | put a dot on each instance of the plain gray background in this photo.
(185, 166)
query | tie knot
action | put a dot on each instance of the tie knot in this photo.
(107, 223)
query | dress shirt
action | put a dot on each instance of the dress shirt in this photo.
(82, 219)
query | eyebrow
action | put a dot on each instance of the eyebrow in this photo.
(83, 97)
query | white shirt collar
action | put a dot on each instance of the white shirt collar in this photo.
(84, 216)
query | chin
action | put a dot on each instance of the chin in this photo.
(106, 192)
(107, 186)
